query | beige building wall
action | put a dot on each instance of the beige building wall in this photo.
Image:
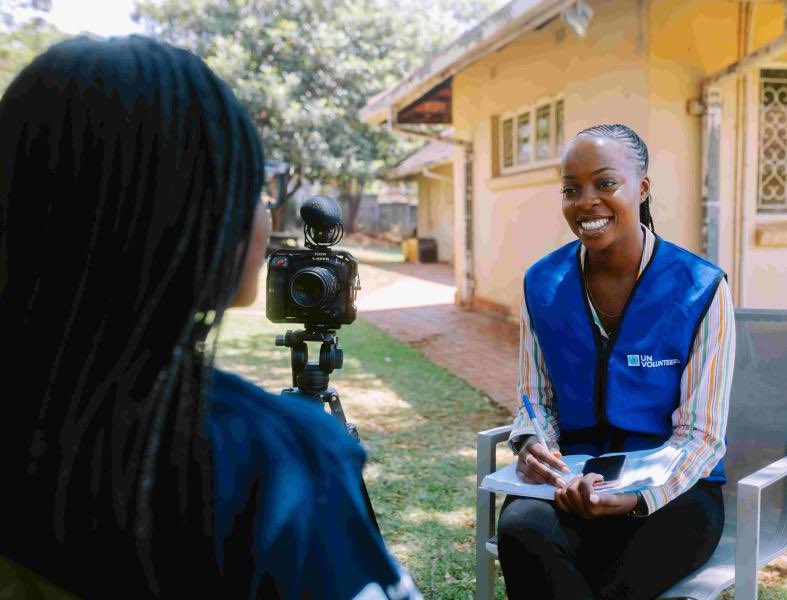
(640, 64)
(517, 218)
(683, 49)
(764, 268)
(436, 210)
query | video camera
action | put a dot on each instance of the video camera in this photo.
(316, 286)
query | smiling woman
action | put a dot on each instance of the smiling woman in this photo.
(627, 343)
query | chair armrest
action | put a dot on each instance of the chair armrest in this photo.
(747, 539)
(486, 462)
(485, 450)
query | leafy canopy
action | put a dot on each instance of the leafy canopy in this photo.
(305, 68)
(24, 33)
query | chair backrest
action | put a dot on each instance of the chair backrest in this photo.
(757, 426)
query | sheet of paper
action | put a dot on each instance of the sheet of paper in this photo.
(643, 469)
(506, 480)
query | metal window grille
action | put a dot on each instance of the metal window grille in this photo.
(772, 192)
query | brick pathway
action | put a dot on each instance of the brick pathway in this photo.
(415, 304)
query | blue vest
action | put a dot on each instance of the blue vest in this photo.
(619, 395)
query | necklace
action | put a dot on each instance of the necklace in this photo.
(593, 300)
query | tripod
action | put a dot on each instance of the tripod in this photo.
(312, 379)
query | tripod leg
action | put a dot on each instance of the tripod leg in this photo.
(369, 507)
(337, 411)
(353, 431)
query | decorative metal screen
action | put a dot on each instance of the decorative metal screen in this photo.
(772, 192)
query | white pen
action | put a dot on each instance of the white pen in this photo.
(539, 432)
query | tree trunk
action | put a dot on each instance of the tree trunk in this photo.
(352, 192)
(277, 218)
(279, 213)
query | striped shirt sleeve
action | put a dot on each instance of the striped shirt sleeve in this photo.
(534, 381)
(700, 421)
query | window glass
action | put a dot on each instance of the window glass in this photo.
(524, 140)
(543, 127)
(558, 128)
(508, 143)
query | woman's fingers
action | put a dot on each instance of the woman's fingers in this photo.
(586, 487)
(581, 498)
(543, 471)
(525, 471)
(548, 457)
(531, 470)
(569, 498)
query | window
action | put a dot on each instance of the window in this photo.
(531, 136)
(772, 178)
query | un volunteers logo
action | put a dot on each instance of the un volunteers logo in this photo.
(633, 360)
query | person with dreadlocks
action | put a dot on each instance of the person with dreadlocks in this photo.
(130, 220)
(627, 343)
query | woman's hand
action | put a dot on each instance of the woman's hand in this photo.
(536, 464)
(581, 498)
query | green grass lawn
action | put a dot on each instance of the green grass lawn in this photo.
(418, 423)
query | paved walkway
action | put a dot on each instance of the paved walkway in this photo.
(415, 304)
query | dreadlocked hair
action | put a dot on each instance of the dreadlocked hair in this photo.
(129, 177)
(636, 150)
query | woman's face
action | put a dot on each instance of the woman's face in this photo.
(602, 191)
(247, 286)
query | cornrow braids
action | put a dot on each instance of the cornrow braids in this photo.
(636, 150)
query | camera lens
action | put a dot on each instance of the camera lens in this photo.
(313, 286)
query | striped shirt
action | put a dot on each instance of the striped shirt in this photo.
(699, 422)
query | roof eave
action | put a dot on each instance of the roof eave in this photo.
(409, 173)
(498, 30)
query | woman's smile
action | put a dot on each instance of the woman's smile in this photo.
(594, 226)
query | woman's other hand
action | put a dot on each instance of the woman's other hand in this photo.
(537, 464)
(581, 498)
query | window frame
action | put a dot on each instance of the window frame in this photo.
(763, 210)
(532, 111)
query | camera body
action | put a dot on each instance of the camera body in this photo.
(314, 286)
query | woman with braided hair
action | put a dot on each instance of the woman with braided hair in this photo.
(130, 220)
(627, 343)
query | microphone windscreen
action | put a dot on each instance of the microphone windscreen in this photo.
(321, 212)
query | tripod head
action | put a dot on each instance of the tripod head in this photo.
(312, 378)
(309, 377)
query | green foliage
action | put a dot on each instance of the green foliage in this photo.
(305, 68)
(23, 35)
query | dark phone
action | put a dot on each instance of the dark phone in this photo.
(609, 467)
